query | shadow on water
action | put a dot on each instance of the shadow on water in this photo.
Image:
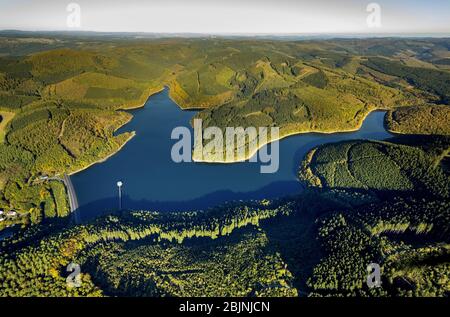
(111, 204)
(153, 181)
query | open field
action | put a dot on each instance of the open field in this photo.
(5, 118)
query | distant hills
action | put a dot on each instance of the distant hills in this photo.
(366, 201)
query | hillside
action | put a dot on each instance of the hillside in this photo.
(65, 94)
(385, 202)
(317, 243)
(420, 120)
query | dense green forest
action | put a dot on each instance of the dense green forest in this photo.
(377, 165)
(385, 202)
(428, 120)
(60, 96)
(317, 243)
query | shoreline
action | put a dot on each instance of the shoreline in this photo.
(179, 105)
(250, 155)
(141, 105)
(133, 133)
(246, 157)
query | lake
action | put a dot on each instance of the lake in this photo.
(152, 181)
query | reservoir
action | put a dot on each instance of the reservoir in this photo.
(152, 181)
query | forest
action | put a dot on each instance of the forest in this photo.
(316, 243)
(428, 120)
(62, 100)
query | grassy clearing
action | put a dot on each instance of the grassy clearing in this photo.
(5, 118)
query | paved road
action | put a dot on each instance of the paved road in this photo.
(73, 202)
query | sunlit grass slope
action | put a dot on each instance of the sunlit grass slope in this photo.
(66, 99)
(420, 120)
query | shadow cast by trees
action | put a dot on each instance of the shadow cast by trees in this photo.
(105, 206)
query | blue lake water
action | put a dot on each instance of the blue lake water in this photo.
(152, 181)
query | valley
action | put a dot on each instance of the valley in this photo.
(96, 107)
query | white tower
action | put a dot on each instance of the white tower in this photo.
(119, 185)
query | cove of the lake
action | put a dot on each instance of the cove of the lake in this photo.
(152, 181)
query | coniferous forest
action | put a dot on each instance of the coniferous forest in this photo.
(63, 97)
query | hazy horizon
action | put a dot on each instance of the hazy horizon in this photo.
(266, 17)
(368, 34)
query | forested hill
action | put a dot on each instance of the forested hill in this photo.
(384, 202)
(318, 243)
(60, 94)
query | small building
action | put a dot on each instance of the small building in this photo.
(1, 211)
(11, 213)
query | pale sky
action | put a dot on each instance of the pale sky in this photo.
(229, 16)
